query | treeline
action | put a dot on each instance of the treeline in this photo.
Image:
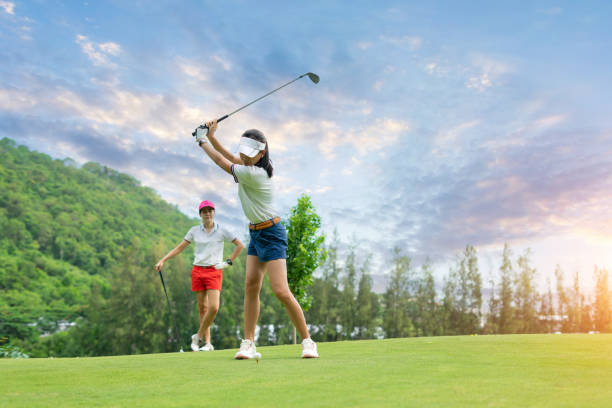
(345, 307)
(135, 318)
(78, 247)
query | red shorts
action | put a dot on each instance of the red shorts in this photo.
(205, 278)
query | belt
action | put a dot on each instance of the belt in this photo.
(266, 224)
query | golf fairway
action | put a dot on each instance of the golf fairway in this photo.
(462, 371)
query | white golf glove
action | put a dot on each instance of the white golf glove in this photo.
(222, 265)
(200, 134)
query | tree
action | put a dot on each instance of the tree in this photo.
(526, 297)
(463, 295)
(603, 302)
(562, 300)
(367, 306)
(506, 307)
(574, 314)
(324, 315)
(396, 321)
(492, 323)
(139, 318)
(547, 311)
(305, 250)
(428, 319)
(348, 301)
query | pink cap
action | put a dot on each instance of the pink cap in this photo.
(206, 203)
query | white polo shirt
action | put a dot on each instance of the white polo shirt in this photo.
(256, 192)
(208, 248)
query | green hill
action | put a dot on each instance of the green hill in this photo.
(65, 230)
(464, 371)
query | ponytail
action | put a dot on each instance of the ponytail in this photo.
(265, 162)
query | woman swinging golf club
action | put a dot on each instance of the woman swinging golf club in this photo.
(267, 251)
(206, 274)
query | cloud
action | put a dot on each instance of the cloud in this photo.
(448, 137)
(486, 72)
(223, 62)
(8, 7)
(195, 69)
(412, 43)
(15, 100)
(98, 53)
(372, 137)
(155, 117)
(549, 121)
(541, 187)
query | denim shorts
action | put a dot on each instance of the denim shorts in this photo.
(269, 244)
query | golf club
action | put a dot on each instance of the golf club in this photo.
(169, 307)
(313, 77)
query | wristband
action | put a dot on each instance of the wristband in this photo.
(229, 261)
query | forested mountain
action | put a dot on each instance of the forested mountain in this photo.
(64, 229)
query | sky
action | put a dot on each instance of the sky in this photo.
(435, 125)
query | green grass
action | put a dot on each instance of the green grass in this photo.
(465, 371)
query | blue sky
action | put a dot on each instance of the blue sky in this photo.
(434, 125)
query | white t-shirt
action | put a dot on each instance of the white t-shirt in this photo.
(208, 248)
(256, 192)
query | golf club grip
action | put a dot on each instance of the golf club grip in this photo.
(221, 118)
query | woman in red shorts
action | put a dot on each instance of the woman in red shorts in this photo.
(206, 274)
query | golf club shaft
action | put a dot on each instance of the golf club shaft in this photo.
(313, 77)
(170, 308)
(260, 98)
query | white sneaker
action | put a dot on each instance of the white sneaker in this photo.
(207, 347)
(309, 349)
(195, 342)
(247, 351)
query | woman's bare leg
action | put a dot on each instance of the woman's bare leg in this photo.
(277, 273)
(202, 309)
(212, 307)
(254, 278)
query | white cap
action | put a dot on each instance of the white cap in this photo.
(250, 147)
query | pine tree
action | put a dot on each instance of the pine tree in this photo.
(547, 311)
(492, 323)
(324, 315)
(396, 322)
(367, 305)
(506, 305)
(526, 297)
(562, 301)
(575, 302)
(463, 294)
(603, 302)
(428, 322)
(348, 297)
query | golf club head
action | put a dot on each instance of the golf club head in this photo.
(313, 77)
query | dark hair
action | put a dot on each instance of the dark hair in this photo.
(265, 162)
